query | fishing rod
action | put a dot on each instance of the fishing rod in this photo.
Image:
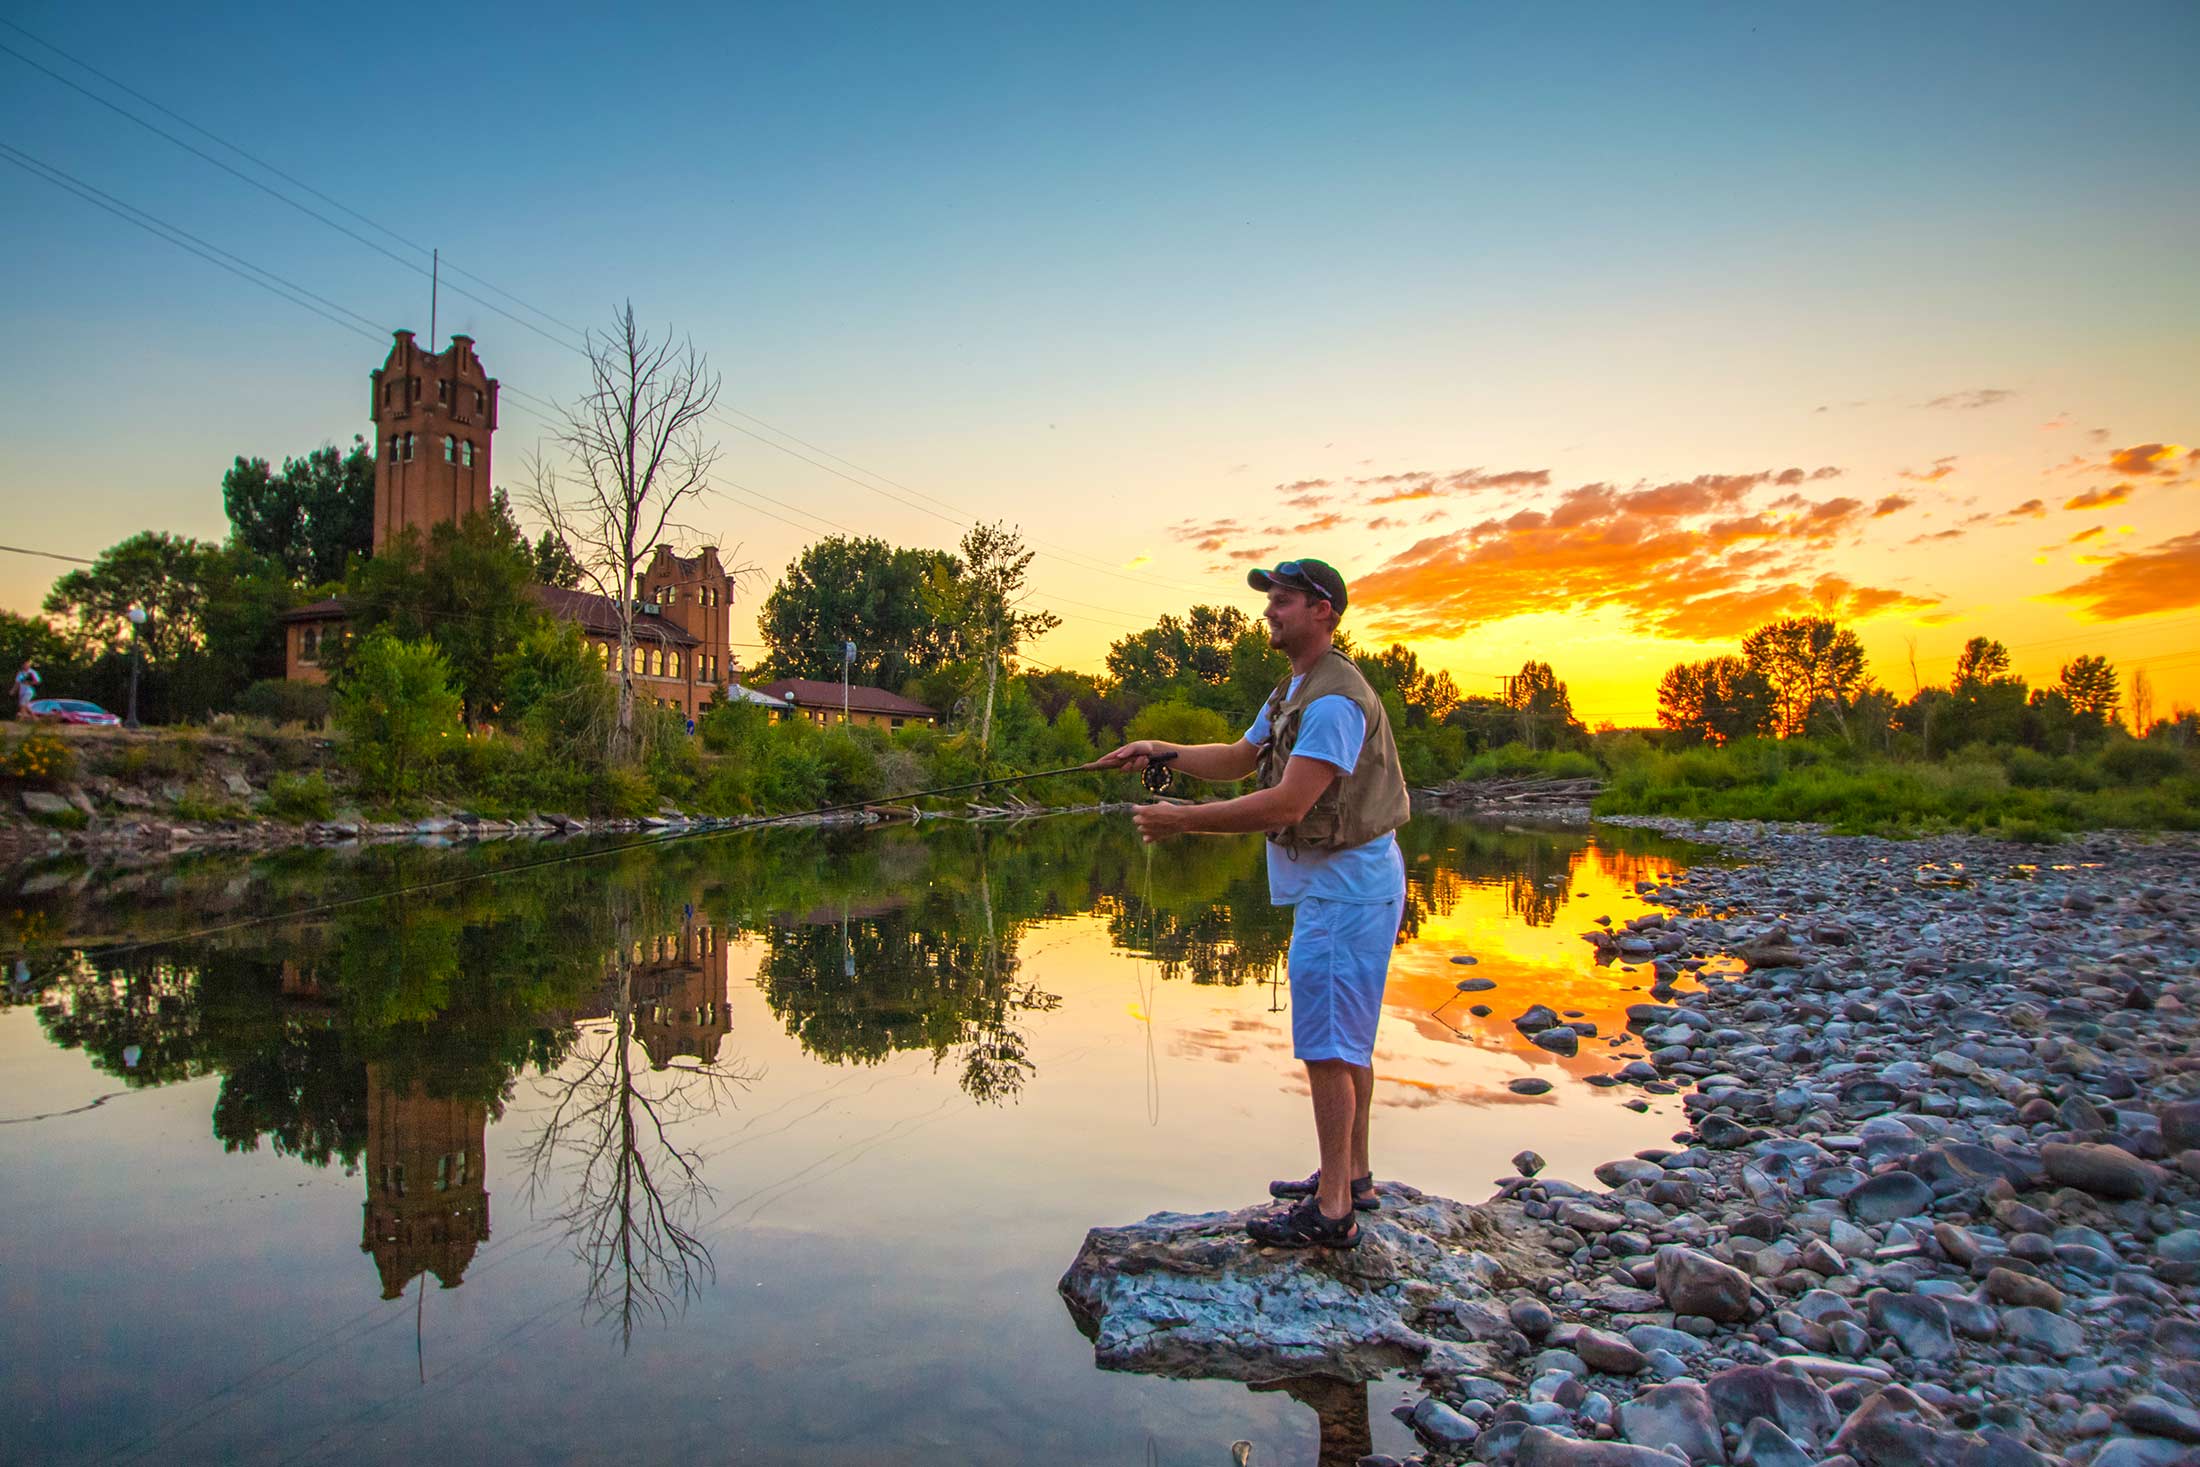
(1155, 777)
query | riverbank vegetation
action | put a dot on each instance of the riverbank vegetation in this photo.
(455, 689)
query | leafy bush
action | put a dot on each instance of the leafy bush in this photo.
(299, 798)
(1517, 760)
(40, 757)
(2129, 761)
(1180, 723)
(397, 713)
(281, 701)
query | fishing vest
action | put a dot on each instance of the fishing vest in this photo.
(1364, 805)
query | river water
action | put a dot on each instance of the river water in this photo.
(763, 1147)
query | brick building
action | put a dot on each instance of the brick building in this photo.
(820, 701)
(435, 414)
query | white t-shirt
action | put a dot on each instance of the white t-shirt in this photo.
(1333, 731)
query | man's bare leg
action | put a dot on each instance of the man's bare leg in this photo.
(1336, 1109)
(1363, 1094)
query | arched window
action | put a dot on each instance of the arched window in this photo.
(411, 440)
(466, 452)
(450, 449)
(395, 440)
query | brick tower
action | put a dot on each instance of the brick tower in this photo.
(433, 417)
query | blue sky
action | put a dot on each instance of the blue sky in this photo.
(1103, 273)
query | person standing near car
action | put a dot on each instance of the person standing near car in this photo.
(1330, 801)
(26, 688)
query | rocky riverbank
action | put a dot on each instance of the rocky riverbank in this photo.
(1939, 1203)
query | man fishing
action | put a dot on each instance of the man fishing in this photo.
(1330, 800)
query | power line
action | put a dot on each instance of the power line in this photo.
(275, 284)
(958, 515)
(273, 193)
(48, 554)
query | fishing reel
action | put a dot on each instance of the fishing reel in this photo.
(1156, 773)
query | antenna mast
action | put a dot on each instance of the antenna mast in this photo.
(435, 281)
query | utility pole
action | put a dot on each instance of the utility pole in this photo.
(435, 282)
(137, 630)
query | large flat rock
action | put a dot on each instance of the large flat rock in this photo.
(1189, 1295)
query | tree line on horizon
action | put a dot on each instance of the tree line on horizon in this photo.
(1798, 677)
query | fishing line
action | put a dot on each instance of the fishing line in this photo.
(1147, 970)
(1155, 775)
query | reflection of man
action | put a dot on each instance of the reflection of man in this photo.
(1330, 797)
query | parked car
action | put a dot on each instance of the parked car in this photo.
(72, 710)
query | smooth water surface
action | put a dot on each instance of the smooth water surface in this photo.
(762, 1147)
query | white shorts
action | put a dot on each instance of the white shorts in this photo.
(1340, 960)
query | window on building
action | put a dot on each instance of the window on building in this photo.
(395, 440)
(672, 664)
(309, 644)
(450, 449)
(412, 441)
(893, 723)
(481, 401)
(385, 394)
(466, 452)
(442, 389)
(412, 389)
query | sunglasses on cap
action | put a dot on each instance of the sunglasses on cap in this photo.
(1289, 573)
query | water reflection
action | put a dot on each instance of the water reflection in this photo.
(569, 1056)
(607, 1167)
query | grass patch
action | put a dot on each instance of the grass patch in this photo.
(2014, 793)
(299, 799)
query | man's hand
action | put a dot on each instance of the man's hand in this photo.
(1134, 755)
(1160, 822)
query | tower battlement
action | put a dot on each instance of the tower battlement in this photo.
(434, 414)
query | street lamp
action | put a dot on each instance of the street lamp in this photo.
(137, 630)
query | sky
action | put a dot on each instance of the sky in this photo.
(1595, 335)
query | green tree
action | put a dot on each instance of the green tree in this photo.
(1427, 697)
(468, 586)
(1986, 704)
(1542, 707)
(984, 600)
(311, 517)
(396, 710)
(555, 563)
(1981, 660)
(163, 573)
(1176, 656)
(2092, 688)
(1715, 701)
(1804, 659)
(864, 591)
(31, 639)
(1181, 723)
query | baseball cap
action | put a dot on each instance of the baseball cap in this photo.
(1315, 577)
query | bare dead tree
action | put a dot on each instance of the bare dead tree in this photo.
(637, 453)
(630, 1192)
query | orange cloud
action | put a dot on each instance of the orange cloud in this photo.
(1892, 504)
(2086, 534)
(2165, 578)
(1941, 469)
(2143, 459)
(2033, 509)
(1660, 553)
(1977, 397)
(2099, 498)
(1423, 485)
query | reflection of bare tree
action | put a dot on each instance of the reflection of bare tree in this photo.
(631, 1191)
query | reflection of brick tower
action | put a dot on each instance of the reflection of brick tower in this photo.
(433, 415)
(680, 995)
(427, 1199)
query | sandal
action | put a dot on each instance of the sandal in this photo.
(1363, 1191)
(1304, 1226)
